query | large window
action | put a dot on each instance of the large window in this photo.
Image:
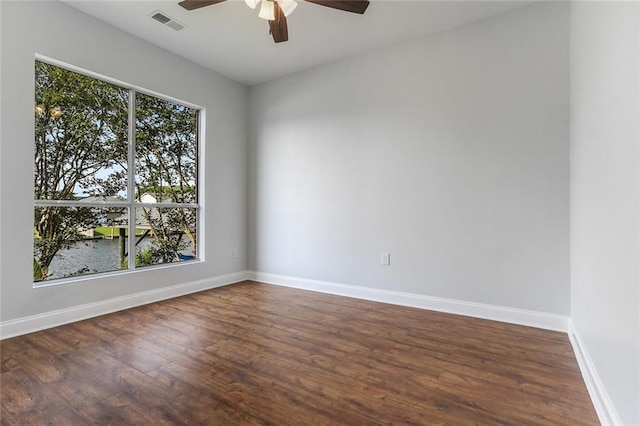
(115, 177)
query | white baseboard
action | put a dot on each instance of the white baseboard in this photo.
(39, 322)
(478, 310)
(605, 409)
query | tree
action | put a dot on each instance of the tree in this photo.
(166, 168)
(80, 132)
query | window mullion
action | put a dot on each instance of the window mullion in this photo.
(131, 258)
(80, 203)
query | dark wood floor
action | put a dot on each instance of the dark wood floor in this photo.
(258, 354)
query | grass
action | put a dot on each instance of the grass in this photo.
(103, 231)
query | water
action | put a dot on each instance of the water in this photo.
(96, 255)
(90, 256)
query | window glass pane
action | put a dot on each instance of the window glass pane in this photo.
(81, 136)
(170, 235)
(73, 241)
(166, 151)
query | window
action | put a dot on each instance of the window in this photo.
(115, 177)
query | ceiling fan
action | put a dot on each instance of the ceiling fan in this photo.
(276, 11)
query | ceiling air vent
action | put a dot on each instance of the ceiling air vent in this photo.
(166, 20)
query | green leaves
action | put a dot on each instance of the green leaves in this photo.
(81, 131)
(166, 149)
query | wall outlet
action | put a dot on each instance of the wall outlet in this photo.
(385, 259)
(234, 253)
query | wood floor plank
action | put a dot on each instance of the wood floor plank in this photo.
(139, 389)
(7, 419)
(31, 403)
(212, 407)
(61, 376)
(120, 410)
(258, 354)
(133, 355)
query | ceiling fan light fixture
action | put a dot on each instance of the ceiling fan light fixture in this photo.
(267, 10)
(276, 11)
(287, 6)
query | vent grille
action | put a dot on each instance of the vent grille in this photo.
(161, 18)
(166, 20)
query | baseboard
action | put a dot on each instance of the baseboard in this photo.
(477, 310)
(605, 409)
(52, 319)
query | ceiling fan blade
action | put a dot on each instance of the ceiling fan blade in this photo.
(197, 4)
(278, 27)
(355, 6)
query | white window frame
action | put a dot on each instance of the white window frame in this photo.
(131, 203)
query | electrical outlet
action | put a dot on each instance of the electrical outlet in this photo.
(385, 259)
(234, 253)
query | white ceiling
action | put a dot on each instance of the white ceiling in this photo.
(230, 39)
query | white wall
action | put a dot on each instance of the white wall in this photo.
(58, 31)
(605, 189)
(450, 152)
